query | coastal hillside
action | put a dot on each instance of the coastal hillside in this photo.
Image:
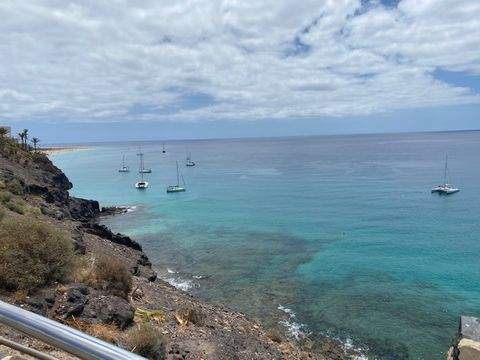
(56, 260)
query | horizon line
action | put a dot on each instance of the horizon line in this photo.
(262, 137)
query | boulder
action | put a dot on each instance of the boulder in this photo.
(41, 301)
(109, 309)
(78, 243)
(151, 275)
(73, 301)
(144, 261)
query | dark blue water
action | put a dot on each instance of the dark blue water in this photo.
(342, 230)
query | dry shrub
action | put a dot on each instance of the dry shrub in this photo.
(109, 333)
(111, 275)
(83, 271)
(274, 335)
(145, 340)
(20, 296)
(189, 315)
(2, 214)
(33, 253)
(33, 211)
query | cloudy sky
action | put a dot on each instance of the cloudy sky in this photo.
(222, 67)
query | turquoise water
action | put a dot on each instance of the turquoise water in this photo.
(342, 230)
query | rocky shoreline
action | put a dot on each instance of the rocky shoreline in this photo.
(191, 328)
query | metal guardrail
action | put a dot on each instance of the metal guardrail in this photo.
(61, 336)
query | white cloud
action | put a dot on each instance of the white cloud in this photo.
(124, 59)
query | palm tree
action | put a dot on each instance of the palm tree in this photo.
(35, 142)
(21, 135)
(25, 137)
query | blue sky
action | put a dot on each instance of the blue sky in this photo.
(89, 71)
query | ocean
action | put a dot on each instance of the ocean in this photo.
(339, 233)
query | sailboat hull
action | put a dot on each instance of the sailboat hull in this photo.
(175, 189)
(442, 190)
(141, 185)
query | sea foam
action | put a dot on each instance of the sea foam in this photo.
(181, 284)
(295, 329)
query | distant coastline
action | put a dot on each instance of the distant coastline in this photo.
(63, 149)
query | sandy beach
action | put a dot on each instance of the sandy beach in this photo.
(61, 150)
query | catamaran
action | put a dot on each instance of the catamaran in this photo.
(142, 169)
(177, 188)
(124, 168)
(141, 184)
(445, 188)
(189, 161)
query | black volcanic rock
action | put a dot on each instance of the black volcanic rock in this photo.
(72, 302)
(106, 233)
(108, 309)
(82, 209)
(113, 210)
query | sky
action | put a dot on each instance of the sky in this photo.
(130, 70)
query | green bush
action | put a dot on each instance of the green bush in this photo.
(33, 254)
(15, 187)
(19, 209)
(111, 275)
(145, 340)
(5, 197)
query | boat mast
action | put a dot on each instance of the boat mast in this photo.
(141, 159)
(141, 163)
(123, 162)
(178, 180)
(445, 171)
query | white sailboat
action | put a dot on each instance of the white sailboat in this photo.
(141, 184)
(142, 169)
(188, 161)
(177, 188)
(445, 188)
(125, 168)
